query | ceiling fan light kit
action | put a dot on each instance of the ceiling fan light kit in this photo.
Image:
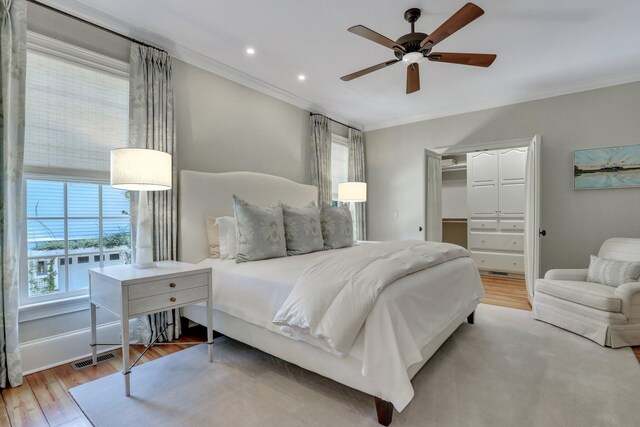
(412, 48)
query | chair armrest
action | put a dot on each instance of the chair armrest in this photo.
(577, 275)
(629, 294)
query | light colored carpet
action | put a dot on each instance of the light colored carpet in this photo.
(505, 370)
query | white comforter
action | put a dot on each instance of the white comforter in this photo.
(406, 317)
(334, 295)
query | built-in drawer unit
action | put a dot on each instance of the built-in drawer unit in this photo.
(494, 241)
(163, 301)
(511, 225)
(498, 261)
(161, 286)
(476, 224)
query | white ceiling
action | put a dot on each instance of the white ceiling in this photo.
(544, 48)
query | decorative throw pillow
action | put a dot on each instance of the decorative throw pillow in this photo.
(227, 237)
(613, 273)
(260, 231)
(302, 229)
(337, 226)
(213, 236)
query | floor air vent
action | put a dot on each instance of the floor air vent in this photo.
(89, 361)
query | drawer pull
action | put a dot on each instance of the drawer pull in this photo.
(514, 263)
(515, 243)
(172, 285)
(173, 299)
(483, 241)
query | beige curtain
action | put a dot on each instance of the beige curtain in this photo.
(152, 125)
(13, 53)
(321, 157)
(357, 174)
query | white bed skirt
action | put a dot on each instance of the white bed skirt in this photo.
(345, 370)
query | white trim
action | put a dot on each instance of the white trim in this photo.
(72, 53)
(49, 352)
(339, 139)
(192, 57)
(197, 59)
(498, 145)
(57, 307)
(580, 86)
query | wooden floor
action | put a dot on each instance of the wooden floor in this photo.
(44, 400)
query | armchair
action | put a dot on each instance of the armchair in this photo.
(607, 315)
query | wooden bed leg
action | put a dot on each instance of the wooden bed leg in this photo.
(470, 318)
(384, 410)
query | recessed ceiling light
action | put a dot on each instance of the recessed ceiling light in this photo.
(250, 51)
(301, 77)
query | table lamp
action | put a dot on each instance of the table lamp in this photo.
(142, 170)
(352, 192)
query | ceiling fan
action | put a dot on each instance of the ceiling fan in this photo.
(414, 47)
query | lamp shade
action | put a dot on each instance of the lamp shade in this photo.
(352, 192)
(140, 169)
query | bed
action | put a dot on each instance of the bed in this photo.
(409, 321)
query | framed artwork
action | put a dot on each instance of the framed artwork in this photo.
(612, 167)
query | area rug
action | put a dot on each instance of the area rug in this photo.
(506, 370)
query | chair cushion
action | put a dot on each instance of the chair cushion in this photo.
(589, 294)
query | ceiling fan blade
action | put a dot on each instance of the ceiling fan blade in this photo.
(369, 34)
(368, 70)
(413, 78)
(467, 14)
(475, 59)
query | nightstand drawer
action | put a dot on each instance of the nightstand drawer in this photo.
(163, 286)
(168, 300)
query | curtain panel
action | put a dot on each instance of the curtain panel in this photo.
(13, 53)
(152, 126)
(357, 174)
(321, 157)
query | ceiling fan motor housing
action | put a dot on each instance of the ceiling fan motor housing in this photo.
(411, 43)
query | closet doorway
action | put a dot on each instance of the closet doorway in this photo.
(486, 198)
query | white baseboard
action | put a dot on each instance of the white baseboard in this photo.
(45, 353)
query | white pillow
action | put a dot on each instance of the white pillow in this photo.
(227, 237)
(213, 235)
(613, 273)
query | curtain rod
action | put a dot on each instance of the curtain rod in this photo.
(335, 121)
(84, 21)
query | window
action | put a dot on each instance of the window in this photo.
(114, 257)
(67, 219)
(77, 111)
(339, 165)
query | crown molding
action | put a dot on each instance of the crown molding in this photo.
(583, 86)
(191, 56)
(197, 59)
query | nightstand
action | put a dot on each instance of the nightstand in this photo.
(130, 292)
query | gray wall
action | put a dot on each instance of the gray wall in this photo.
(576, 221)
(221, 126)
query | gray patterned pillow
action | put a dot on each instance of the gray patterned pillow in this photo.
(302, 229)
(260, 231)
(612, 273)
(337, 226)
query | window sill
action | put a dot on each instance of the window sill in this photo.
(53, 308)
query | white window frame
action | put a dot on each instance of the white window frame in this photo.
(25, 299)
(59, 303)
(341, 140)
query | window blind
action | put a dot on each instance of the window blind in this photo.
(75, 113)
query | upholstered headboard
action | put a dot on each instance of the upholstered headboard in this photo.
(210, 194)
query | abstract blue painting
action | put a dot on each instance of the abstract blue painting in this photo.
(613, 167)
